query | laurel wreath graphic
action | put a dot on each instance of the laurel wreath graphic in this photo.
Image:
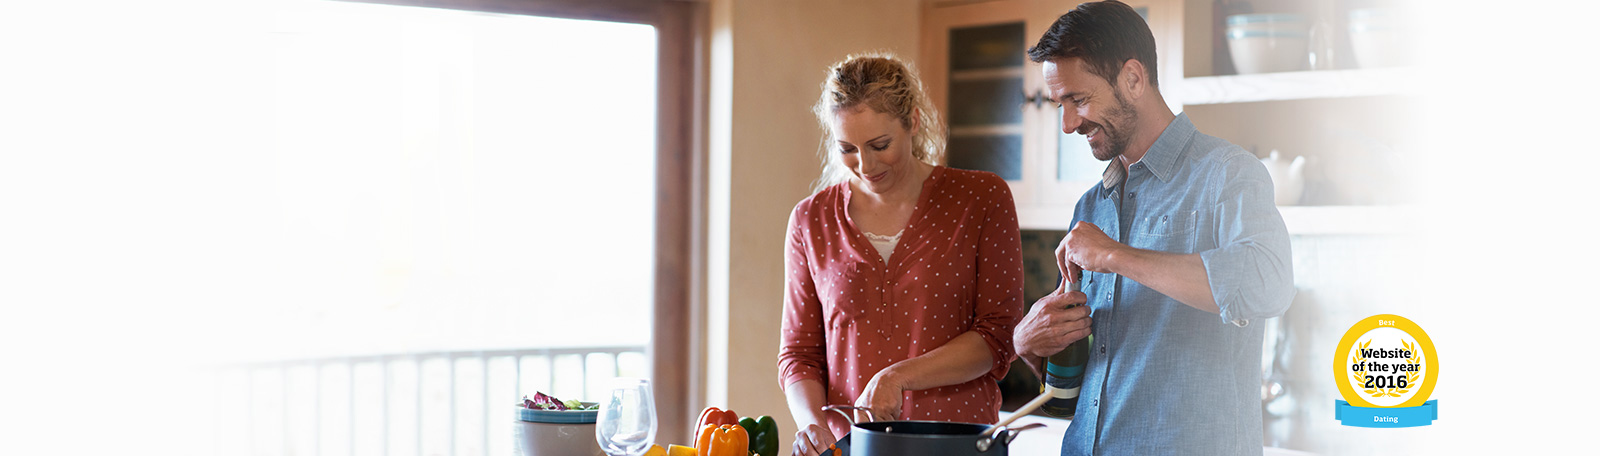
(1357, 376)
(1413, 379)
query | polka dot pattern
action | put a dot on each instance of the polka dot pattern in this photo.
(848, 313)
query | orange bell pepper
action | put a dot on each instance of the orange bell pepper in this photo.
(702, 442)
(728, 440)
(714, 416)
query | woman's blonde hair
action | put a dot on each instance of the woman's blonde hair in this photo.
(888, 85)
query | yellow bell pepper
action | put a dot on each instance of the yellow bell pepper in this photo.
(680, 450)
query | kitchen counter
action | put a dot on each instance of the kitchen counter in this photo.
(1047, 440)
(1041, 441)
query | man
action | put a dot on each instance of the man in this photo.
(1177, 250)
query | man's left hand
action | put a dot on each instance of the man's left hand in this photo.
(1086, 248)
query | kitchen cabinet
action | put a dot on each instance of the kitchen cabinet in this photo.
(975, 67)
(1352, 123)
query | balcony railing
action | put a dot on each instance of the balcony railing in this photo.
(456, 403)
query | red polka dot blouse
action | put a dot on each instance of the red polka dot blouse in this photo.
(848, 313)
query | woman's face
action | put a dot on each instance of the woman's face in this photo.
(876, 148)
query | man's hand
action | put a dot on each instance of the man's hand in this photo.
(1086, 247)
(1050, 326)
(1181, 276)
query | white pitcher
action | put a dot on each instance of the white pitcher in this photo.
(1288, 179)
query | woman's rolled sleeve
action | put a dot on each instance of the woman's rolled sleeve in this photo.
(999, 298)
(803, 353)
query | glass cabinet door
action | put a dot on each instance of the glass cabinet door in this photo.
(985, 98)
(1075, 163)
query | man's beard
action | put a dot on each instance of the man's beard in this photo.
(1118, 129)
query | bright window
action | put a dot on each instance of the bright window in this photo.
(396, 219)
(453, 181)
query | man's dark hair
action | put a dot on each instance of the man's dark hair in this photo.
(1104, 34)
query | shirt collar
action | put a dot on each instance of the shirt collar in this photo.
(1162, 158)
(1113, 175)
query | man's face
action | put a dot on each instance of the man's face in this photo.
(1090, 106)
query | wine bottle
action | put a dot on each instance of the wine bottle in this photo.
(1063, 374)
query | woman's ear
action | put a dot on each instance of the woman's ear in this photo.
(916, 120)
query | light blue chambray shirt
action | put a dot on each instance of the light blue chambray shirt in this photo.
(1163, 377)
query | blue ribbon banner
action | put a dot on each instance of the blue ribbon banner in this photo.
(1386, 417)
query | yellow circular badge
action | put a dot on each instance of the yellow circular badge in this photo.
(1385, 361)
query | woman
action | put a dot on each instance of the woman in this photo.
(904, 278)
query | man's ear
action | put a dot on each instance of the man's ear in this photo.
(1133, 79)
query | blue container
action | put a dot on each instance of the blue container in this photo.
(1250, 19)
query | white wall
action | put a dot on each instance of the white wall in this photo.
(767, 61)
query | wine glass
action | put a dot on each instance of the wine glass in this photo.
(626, 425)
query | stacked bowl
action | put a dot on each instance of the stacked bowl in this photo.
(1378, 37)
(1266, 43)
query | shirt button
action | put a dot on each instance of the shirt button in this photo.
(1102, 349)
(1096, 402)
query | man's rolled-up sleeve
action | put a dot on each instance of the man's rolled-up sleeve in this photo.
(1250, 272)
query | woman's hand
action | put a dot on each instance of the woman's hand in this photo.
(812, 440)
(883, 395)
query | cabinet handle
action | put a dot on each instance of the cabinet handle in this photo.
(1037, 99)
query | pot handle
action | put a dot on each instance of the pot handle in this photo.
(1012, 433)
(847, 418)
(1005, 435)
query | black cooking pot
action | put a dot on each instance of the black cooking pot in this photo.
(934, 438)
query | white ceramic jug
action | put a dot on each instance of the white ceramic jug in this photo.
(1288, 179)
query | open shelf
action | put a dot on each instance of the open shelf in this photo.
(1295, 85)
(1303, 220)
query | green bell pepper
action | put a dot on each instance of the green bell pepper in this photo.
(763, 434)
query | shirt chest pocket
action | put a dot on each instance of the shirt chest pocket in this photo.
(848, 294)
(1173, 232)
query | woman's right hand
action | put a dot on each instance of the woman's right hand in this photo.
(813, 440)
